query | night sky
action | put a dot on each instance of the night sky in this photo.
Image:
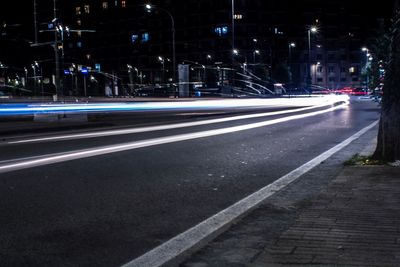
(19, 18)
(14, 12)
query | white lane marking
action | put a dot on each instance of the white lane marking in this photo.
(50, 159)
(205, 230)
(159, 127)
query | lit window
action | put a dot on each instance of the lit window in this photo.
(221, 31)
(79, 22)
(352, 70)
(123, 3)
(79, 33)
(87, 9)
(145, 37)
(78, 10)
(238, 16)
(116, 2)
(105, 5)
(79, 44)
(134, 38)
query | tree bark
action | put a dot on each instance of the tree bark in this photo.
(388, 147)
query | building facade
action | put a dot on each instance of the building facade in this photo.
(121, 42)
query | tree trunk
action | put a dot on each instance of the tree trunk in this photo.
(388, 147)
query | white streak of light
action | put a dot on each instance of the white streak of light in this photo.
(51, 159)
(160, 127)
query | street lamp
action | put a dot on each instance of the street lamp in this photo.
(255, 52)
(290, 46)
(368, 58)
(149, 7)
(35, 68)
(161, 59)
(312, 29)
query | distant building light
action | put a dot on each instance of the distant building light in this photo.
(277, 32)
(238, 16)
(123, 3)
(145, 37)
(67, 72)
(134, 38)
(221, 30)
(78, 10)
(79, 44)
(87, 9)
(105, 5)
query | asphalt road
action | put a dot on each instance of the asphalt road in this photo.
(106, 210)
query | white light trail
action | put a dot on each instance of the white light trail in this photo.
(170, 105)
(68, 156)
(159, 127)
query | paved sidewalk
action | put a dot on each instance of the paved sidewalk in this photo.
(353, 221)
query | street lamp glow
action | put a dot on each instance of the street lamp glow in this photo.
(364, 49)
(292, 45)
(255, 40)
(160, 58)
(235, 52)
(314, 29)
(148, 7)
(257, 52)
(209, 56)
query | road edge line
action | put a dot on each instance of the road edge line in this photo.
(179, 247)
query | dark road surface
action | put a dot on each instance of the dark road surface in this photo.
(109, 209)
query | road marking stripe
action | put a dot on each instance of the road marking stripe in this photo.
(160, 127)
(73, 155)
(208, 229)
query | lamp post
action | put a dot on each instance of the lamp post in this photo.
(35, 21)
(368, 57)
(161, 59)
(290, 46)
(149, 7)
(312, 29)
(233, 26)
(209, 57)
(34, 65)
(255, 52)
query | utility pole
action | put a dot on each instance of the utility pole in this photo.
(56, 54)
(35, 21)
